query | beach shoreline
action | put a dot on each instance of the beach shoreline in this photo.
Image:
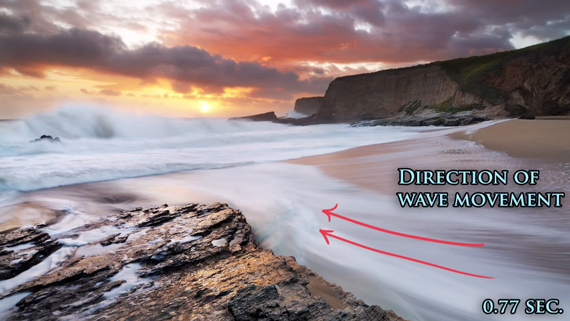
(526, 140)
(539, 139)
(283, 200)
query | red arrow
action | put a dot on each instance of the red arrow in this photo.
(328, 233)
(329, 213)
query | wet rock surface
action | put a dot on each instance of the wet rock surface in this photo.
(191, 262)
(271, 117)
(426, 119)
(46, 138)
(22, 249)
(309, 105)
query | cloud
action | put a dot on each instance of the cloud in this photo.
(20, 91)
(28, 88)
(13, 24)
(185, 66)
(387, 31)
(110, 92)
(333, 31)
(280, 52)
(7, 90)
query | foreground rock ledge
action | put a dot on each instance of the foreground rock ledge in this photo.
(191, 262)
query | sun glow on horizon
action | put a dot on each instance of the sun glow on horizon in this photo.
(205, 106)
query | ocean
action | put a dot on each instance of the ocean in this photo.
(110, 161)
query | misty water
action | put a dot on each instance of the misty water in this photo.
(122, 161)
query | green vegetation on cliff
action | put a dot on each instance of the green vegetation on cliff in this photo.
(528, 82)
(473, 74)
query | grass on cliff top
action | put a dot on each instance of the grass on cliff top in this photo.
(447, 107)
(472, 73)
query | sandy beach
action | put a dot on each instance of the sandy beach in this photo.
(375, 166)
(542, 139)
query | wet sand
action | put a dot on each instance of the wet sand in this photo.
(543, 139)
(511, 145)
(375, 166)
(364, 166)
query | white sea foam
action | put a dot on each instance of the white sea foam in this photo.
(219, 243)
(21, 247)
(8, 304)
(54, 260)
(295, 114)
(129, 274)
(283, 203)
(93, 236)
(100, 144)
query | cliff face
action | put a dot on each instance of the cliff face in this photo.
(191, 262)
(309, 106)
(384, 94)
(533, 81)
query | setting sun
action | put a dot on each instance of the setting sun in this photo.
(204, 106)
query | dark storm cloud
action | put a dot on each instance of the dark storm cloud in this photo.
(229, 43)
(12, 24)
(328, 31)
(369, 11)
(186, 66)
(75, 47)
(332, 4)
(46, 18)
(542, 19)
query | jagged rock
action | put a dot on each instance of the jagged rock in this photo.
(269, 116)
(309, 105)
(191, 262)
(47, 138)
(523, 83)
(23, 248)
(427, 119)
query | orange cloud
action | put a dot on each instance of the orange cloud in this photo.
(239, 56)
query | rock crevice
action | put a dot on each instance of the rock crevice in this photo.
(191, 262)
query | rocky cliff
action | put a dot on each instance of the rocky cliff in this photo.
(191, 262)
(533, 81)
(272, 117)
(309, 105)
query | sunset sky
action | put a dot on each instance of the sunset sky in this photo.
(238, 57)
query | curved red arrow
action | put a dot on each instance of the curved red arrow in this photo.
(328, 233)
(329, 213)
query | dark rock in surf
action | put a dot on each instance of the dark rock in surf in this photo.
(269, 116)
(309, 105)
(46, 138)
(426, 119)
